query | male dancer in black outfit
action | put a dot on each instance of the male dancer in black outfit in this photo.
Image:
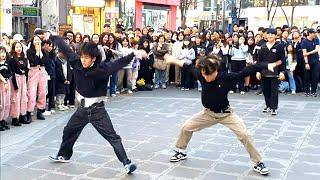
(214, 96)
(91, 76)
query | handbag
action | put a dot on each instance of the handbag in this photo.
(159, 64)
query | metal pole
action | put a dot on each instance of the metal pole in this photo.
(223, 15)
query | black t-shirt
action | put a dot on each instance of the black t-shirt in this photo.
(310, 46)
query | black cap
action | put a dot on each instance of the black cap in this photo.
(311, 30)
(272, 31)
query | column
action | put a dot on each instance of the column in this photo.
(138, 14)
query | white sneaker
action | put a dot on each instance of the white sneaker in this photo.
(117, 92)
(186, 89)
(65, 107)
(53, 111)
(156, 86)
(293, 92)
(200, 89)
(60, 108)
(242, 92)
(182, 89)
(72, 106)
(113, 95)
(164, 86)
(47, 113)
(130, 92)
(231, 92)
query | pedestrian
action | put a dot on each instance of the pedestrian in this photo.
(5, 75)
(271, 52)
(19, 67)
(214, 96)
(310, 49)
(90, 76)
(37, 78)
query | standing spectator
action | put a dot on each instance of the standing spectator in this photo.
(5, 74)
(78, 43)
(116, 50)
(310, 49)
(291, 64)
(63, 73)
(37, 78)
(51, 70)
(187, 55)
(145, 71)
(272, 52)
(159, 50)
(177, 46)
(19, 66)
(238, 54)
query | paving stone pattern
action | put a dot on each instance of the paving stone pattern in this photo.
(149, 125)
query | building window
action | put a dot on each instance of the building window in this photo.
(207, 5)
(195, 4)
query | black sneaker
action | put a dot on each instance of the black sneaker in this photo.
(314, 94)
(178, 157)
(265, 110)
(59, 159)
(274, 112)
(261, 168)
(130, 167)
(5, 124)
(2, 128)
(307, 94)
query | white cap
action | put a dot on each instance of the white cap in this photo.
(17, 37)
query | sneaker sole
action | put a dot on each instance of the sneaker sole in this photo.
(59, 161)
(177, 160)
(262, 173)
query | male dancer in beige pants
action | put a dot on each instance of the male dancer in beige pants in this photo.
(214, 96)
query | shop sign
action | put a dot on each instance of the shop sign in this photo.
(24, 11)
(65, 27)
(22, 2)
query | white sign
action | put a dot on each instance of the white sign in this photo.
(87, 3)
(22, 2)
(77, 23)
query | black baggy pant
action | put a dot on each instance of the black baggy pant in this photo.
(99, 118)
(185, 76)
(51, 93)
(270, 87)
(237, 66)
(311, 78)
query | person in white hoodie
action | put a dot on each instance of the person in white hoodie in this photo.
(238, 53)
(187, 55)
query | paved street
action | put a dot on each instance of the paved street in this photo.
(149, 123)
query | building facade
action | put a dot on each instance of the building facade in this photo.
(156, 13)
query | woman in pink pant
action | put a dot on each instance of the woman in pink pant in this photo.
(5, 75)
(18, 65)
(37, 79)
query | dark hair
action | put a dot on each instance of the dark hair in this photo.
(47, 41)
(294, 55)
(3, 49)
(81, 38)
(187, 38)
(91, 49)
(39, 32)
(112, 45)
(208, 64)
(106, 25)
(138, 29)
(32, 47)
(86, 36)
(68, 31)
(125, 39)
(102, 35)
(262, 29)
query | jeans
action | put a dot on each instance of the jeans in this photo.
(113, 83)
(97, 115)
(160, 77)
(292, 82)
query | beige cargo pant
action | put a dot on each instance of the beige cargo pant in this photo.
(207, 118)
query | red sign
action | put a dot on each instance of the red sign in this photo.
(164, 2)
